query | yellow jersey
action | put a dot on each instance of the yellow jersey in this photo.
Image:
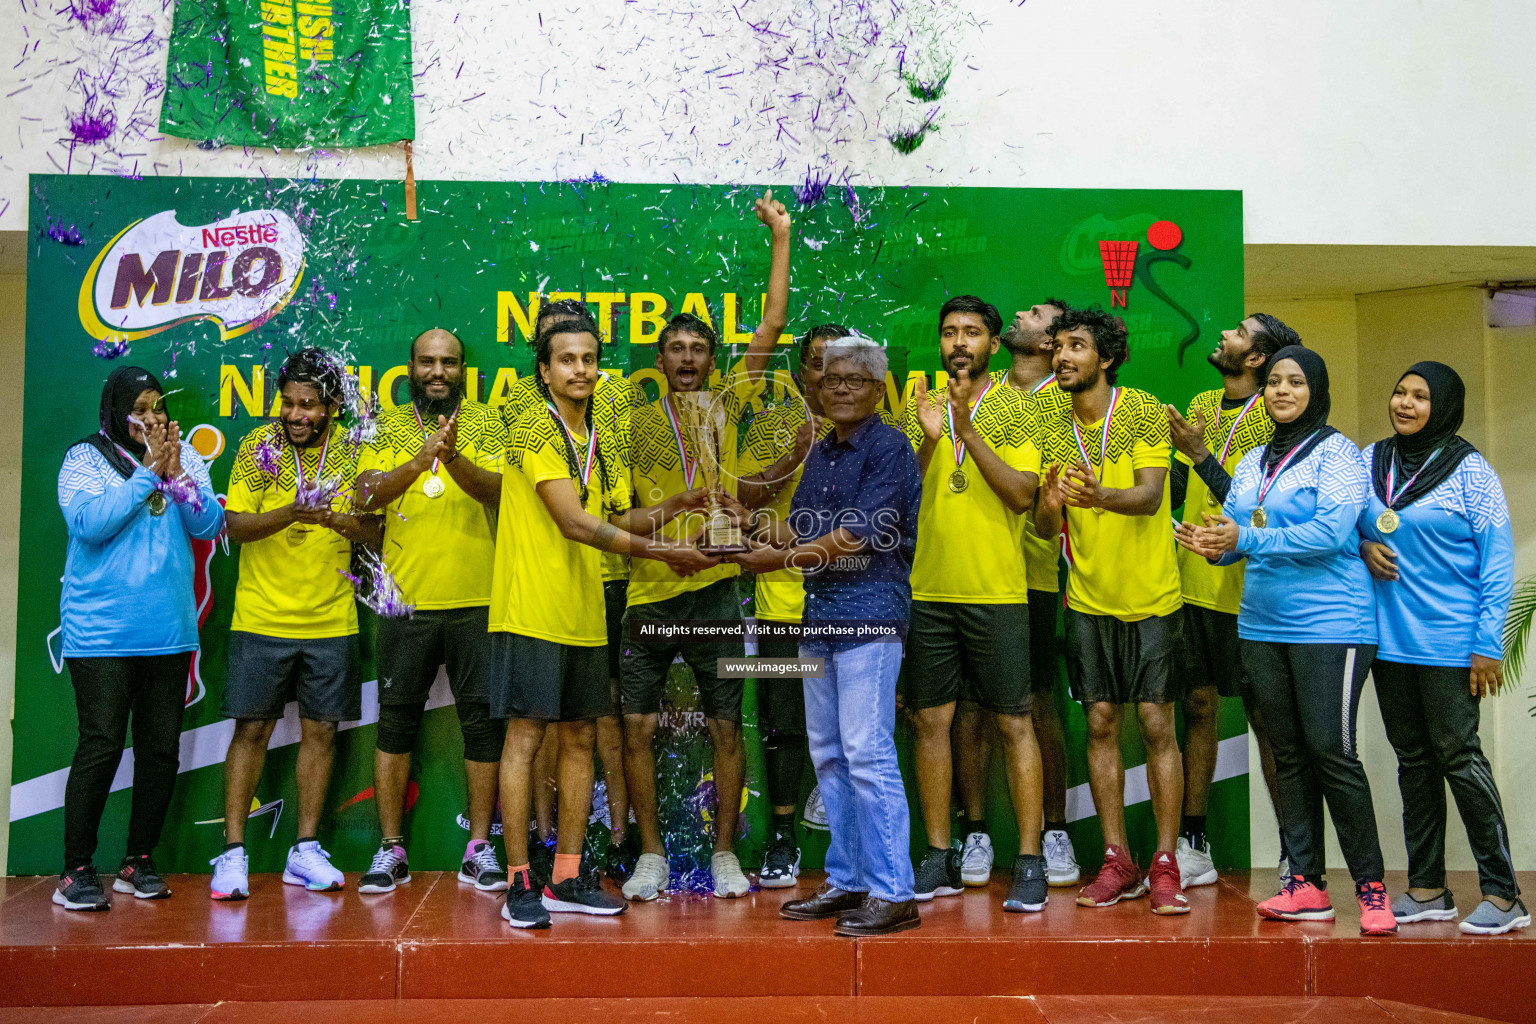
(439, 549)
(1120, 566)
(544, 585)
(970, 546)
(1233, 433)
(291, 583)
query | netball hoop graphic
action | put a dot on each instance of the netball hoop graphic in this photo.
(1119, 269)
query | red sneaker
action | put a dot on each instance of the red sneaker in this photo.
(1118, 880)
(1375, 912)
(1298, 901)
(1167, 891)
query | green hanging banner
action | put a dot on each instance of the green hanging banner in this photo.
(290, 73)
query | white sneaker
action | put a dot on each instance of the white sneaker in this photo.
(1060, 859)
(730, 880)
(650, 877)
(231, 875)
(815, 815)
(976, 859)
(1195, 865)
(310, 866)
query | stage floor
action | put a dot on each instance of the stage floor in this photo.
(440, 940)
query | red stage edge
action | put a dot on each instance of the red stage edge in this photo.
(437, 939)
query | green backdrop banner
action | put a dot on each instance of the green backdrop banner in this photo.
(290, 72)
(211, 281)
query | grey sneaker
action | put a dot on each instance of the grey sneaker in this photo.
(1488, 919)
(976, 859)
(1028, 894)
(1195, 864)
(1060, 859)
(1407, 910)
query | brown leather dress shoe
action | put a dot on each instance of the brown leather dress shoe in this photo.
(878, 917)
(828, 901)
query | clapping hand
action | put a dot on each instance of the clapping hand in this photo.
(1188, 438)
(928, 414)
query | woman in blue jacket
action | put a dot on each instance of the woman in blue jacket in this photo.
(1436, 537)
(1308, 631)
(133, 495)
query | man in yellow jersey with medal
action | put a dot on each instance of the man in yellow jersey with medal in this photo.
(976, 445)
(294, 634)
(435, 471)
(1222, 426)
(665, 461)
(1106, 465)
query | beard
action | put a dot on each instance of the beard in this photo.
(1085, 381)
(1227, 366)
(431, 408)
(1019, 341)
(317, 435)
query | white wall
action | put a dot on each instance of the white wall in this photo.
(1395, 121)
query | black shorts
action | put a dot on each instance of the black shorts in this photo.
(780, 701)
(1115, 662)
(266, 672)
(615, 597)
(1044, 648)
(968, 652)
(1212, 654)
(409, 650)
(546, 681)
(643, 671)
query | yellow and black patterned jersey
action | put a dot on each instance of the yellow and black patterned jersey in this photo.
(1121, 566)
(439, 549)
(290, 583)
(1219, 588)
(970, 546)
(544, 585)
(1042, 556)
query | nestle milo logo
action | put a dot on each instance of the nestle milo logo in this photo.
(1080, 248)
(157, 273)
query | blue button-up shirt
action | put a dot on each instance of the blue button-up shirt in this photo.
(870, 486)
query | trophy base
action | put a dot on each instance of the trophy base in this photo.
(723, 540)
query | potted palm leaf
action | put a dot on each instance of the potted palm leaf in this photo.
(1517, 628)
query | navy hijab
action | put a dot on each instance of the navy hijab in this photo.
(123, 387)
(1311, 428)
(1435, 450)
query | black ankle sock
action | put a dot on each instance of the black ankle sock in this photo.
(1194, 827)
(393, 841)
(305, 839)
(975, 826)
(232, 846)
(1055, 826)
(784, 826)
(938, 849)
(1316, 880)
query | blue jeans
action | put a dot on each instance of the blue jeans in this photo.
(850, 720)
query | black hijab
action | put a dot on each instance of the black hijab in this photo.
(1309, 429)
(1447, 405)
(123, 387)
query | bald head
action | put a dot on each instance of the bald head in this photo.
(439, 336)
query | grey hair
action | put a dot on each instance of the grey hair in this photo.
(866, 354)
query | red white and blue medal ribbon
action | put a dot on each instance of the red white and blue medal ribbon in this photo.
(1222, 460)
(1044, 383)
(1393, 494)
(425, 434)
(949, 416)
(591, 459)
(1082, 447)
(298, 464)
(1259, 518)
(690, 467)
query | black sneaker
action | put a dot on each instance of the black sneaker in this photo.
(80, 889)
(483, 870)
(139, 878)
(541, 858)
(781, 865)
(619, 862)
(581, 895)
(938, 875)
(1028, 893)
(389, 869)
(522, 907)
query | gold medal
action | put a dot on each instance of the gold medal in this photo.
(1210, 499)
(296, 535)
(1260, 518)
(157, 503)
(1388, 521)
(433, 487)
(958, 481)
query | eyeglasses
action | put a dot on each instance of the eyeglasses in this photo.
(853, 382)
